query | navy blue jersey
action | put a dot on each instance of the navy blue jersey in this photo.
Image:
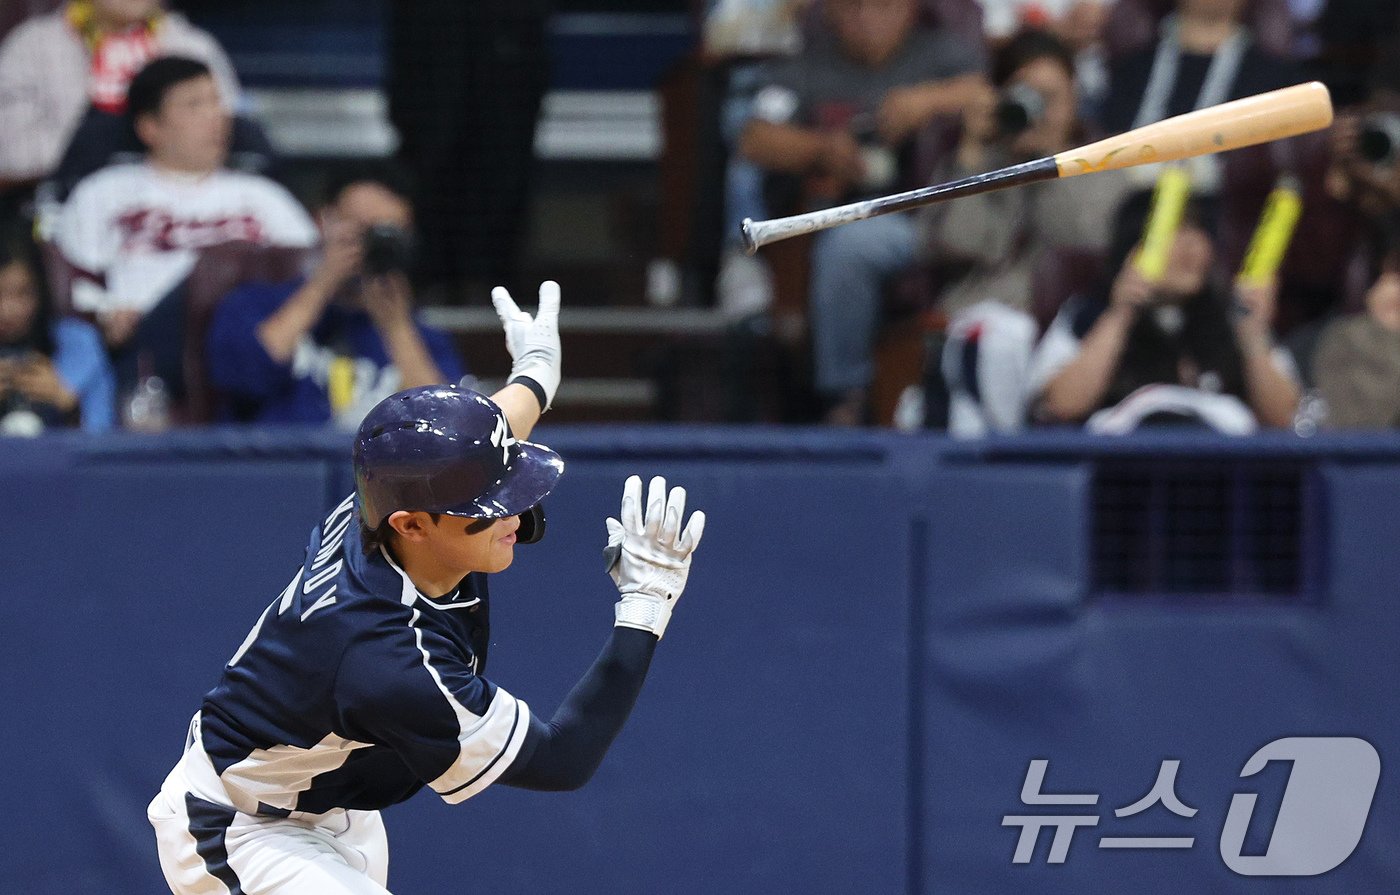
(353, 690)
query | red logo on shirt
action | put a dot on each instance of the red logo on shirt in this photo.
(115, 60)
(157, 230)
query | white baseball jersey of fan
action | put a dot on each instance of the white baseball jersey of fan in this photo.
(134, 232)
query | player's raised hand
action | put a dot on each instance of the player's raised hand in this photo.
(648, 553)
(533, 342)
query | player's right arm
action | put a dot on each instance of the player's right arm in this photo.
(533, 343)
(649, 560)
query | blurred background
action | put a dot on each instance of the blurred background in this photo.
(615, 147)
(1099, 472)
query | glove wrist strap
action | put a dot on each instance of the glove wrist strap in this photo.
(645, 613)
(535, 388)
(543, 376)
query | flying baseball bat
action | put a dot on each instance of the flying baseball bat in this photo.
(1233, 125)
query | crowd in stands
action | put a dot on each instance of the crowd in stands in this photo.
(1035, 309)
(145, 280)
(146, 244)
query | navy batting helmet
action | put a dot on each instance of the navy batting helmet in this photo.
(446, 449)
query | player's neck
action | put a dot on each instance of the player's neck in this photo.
(427, 574)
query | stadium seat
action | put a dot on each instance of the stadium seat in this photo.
(219, 270)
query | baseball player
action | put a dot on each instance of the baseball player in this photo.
(364, 680)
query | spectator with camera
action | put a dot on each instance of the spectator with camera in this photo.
(53, 371)
(54, 67)
(133, 232)
(1365, 169)
(1365, 165)
(329, 346)
(994, 241)
(841, 116)
(1178, 349)
(983, 248)
(1080, 24)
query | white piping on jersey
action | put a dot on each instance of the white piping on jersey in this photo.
(411, 593)
(488, 742)
(282, 602)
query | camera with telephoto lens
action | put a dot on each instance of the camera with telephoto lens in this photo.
(1019, 109)
(388, 249)
(1379, 140)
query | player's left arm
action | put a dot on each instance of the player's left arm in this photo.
(649, 560)
(533, 343)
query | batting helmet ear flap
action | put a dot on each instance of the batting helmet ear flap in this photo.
(532, 525)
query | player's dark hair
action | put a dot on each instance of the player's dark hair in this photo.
(17, 246)
(1027, 47)
(148, 89)
(380, 172)
(383, 536)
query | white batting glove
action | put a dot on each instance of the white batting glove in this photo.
(649, 556)
(533, 342)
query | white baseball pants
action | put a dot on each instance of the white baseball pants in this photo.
(210, 849)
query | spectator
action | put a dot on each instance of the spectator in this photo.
(133, 231)
(992, 241)
(999, 238)
(1174, 349)
(331, 345)
(1357, 365)
(1364, 173)
(842, 113)
(1203, 56)
(1361, 191)
(53, 67)
(1079, 23)
(845, 107)
(53, 371)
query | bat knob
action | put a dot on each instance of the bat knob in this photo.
(750, 246)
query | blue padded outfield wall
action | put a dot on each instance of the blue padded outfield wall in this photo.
(883, 636)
